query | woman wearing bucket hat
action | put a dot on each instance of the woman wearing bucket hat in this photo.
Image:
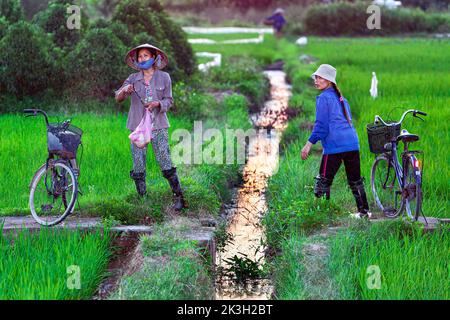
(334, 128)
(150, 88)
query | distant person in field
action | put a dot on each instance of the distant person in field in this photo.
(277, 21)
(334, 128)
(150, 88)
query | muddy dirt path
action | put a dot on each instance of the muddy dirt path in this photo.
(245, 220)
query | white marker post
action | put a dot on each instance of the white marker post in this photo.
(374, 87)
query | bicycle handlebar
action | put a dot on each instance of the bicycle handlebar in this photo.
(414, 111)
(421, 113)
(34, 112)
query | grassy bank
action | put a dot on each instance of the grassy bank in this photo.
(389, 261)
(173, 268)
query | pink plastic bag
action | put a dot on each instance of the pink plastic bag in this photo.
(142, 135)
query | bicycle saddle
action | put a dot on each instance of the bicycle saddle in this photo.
(407, 137)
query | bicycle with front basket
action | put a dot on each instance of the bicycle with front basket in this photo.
(396, 185)
(54, 187)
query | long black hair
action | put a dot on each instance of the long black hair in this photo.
(341, 99)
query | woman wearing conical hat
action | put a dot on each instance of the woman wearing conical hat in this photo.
(150, 88)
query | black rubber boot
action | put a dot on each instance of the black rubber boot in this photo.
(174, 182)
(139, 180)
(322, 186)
(359, 193)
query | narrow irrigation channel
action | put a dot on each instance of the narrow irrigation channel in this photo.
(244, 254)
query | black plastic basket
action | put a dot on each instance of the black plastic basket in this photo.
(379, 135)
(63, 141)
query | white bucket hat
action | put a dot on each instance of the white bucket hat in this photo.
(327, 72)
(278, 10)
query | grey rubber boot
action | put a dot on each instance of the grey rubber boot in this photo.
(174, 182)
(322, 186)
(139, 180)
(359, 193)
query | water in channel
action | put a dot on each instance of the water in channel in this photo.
(249, 205)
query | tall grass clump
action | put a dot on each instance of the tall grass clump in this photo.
(45, 265)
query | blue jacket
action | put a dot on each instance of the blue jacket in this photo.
(277, 20)
(331, 126)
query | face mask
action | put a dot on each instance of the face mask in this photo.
(145, 65)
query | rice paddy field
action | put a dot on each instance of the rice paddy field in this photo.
(412, 73)
(105, 157)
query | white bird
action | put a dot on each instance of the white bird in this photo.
(390, 4)
(374, 87)
(302, 41)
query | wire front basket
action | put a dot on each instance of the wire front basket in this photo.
(63, 140)
(379, 135)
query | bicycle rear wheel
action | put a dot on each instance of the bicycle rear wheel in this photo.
(53, 193)
(385, 187)
(412, 191)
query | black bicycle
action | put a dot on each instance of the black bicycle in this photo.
(396, 186)
(54, 187)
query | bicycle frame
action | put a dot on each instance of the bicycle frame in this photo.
(72, 163)
(400, 168)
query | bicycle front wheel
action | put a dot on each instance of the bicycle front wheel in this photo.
(53, 193)
(385, 187)
(412, 191)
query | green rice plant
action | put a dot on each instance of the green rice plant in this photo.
(105, 158)
(52, 264)
(411, 264)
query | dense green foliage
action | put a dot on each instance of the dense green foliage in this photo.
(11, 10)
(86, 62)
(27, 62)
(148, 16)
(344, 18)
(54, 20)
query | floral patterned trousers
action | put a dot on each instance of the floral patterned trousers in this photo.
(160, 144)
